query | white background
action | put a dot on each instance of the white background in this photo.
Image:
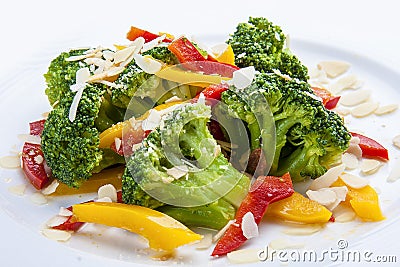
(367, 27)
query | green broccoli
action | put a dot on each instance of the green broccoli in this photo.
(183, 140)
(71, 148)
(309, 138)
(260, 43)
(61, 74)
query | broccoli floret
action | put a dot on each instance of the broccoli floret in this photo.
(184, 141)
(163, 54)
(260, 43)
(309, 138)
(71, 148)
(61, 75)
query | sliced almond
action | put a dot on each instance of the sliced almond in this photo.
(65, 212)
(328, 178)
(382, 110)
(323, 197)
(396, 141)
(56, 221)
(243, 256)
(178, 171)
(147, 64)
(334, 68)
(18, 190)
(340, 192)
(243, 77)
(123, 54)
(10, 162)
(342, 111)
(205, 242)
(364, 109)
(249, 226)
(107, 190)
(343, 83)
(350, 161)
(114, 71)
(355, 98)
(354, 181)
(370, 166)
(51, 188)
(38, 198)
(80, 57)
(303, 229)
(343, 214)
(56, 235)
(354, 149)
(394, 174)
(319, 76)
(108, 55)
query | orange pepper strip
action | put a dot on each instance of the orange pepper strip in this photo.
(162, 231)
(298, 208)
(364, 201)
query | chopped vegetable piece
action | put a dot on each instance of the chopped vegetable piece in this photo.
(33, 165)
(329, 101)
(264, 191)
(185, 51)
(162, 231)
(371, 148)
(107, 176)
(135, 32)
(298, 208)
(364, 201)
(214, 91)
(36, 127)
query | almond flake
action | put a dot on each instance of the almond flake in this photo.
(364, 109)
(334, 68)
(396, 141)
(354, 149)
(328, 178)
(104, 199)
(74, 105)
(343, 214)
(342, 111)
(18, 190)
(38, 198)
(350, 161)
(303, 229)
(218, 49)
(279, 73)
(394, 174)
(243, 256)
(323, 196)
(173, 99)
(10, 162)
(370, 166)
(343, 83)
(243, 77)
(108, 55)
(56, 221)
(56, 235)
(51, 188)
(178, 171)
(38, 159)
(147, 64)
(319, 76)
(123, 54)
(107, 190)
(249, 226)
(354, 181)
(152, 121)
(114, 71)
(205, 242)
(118, 143)
(80, 57)
(382, 110)
(65, 212)
(355, 98)
(341, 193)
(153, 43)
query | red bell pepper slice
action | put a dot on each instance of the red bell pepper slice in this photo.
(191, 59)
(214, 91)
(371, 148)
(36, 127)
(33, 165)
(265, 190)
(329, 101)
(135, 32)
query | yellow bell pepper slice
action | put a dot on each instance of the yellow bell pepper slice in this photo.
(162, 231)
(107, 137)
(180, 76)
(107, 176)
(227, 56)
(364, 201)
(298, 208)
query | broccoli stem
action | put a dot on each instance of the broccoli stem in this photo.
(255, 134)
(214, 215)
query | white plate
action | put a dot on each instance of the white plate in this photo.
(23, 97)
